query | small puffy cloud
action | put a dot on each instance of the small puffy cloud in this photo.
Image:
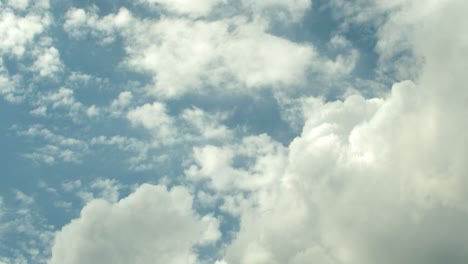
(63, 99)
(152, 224)
(18, 32)
(39, 111)
(48, 62)
(92, 111)
(207, 125)
(120, 104)
(108, 189)
(79, 22)
(154, 118)
(23, 198)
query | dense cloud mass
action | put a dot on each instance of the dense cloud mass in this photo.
(376, 180)
(237, 132)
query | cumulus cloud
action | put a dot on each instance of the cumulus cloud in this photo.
(117, 232)
(184, 55)
(375, 180)
(154, 117)
(48, 62)
(18, 32)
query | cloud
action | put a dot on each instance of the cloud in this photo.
(120, 104)
(56, 147)
(9, 86)
(117, 232)
(207, 126)
(375, 180)
(273, 10)
(284, 11)
(154, 117)
(48, 62)
(187, 56)
(62, 102)
(259, 158)
(18, 32)
(24, 234)
(23, 198)
(19, 4)
(194, 8)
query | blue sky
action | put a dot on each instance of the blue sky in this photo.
(218, 131)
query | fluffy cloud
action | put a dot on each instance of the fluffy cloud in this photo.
(193, 8)
(186, 56)
(259, 164)
(151, 225)
(18, 32)
(48, 62)
(154, 117)
(376, 180)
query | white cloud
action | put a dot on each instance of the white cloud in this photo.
(19, 4)
(283, 10)
(63, 99)
(48, 62)
(186, 56)
(120, 104)
(207, 125)
(375, 180)
(23, 198)
(261, 159)
(39, 111)
(56, 147)
(9, 86)
(92, 111)
(151, 225)
(193, 8)
(17, 32)
(108, 188)
(78, 22)
(71, 185)
(154, 117)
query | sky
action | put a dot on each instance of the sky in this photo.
(233, 131)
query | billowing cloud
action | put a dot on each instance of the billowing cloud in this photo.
(375, 180)
(151, 225)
